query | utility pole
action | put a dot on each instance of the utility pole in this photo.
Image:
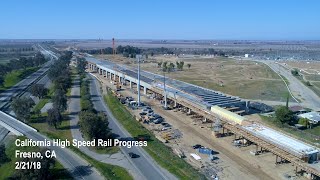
(138, 86)
(164, 90)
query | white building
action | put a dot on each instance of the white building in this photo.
(314, 117)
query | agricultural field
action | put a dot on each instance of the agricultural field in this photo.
(311, 67)
(14, 51)
(310, 71)
(245, 79)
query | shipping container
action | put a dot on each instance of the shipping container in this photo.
(205, 151)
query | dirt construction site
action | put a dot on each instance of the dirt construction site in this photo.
(245, 79)
(228, 161)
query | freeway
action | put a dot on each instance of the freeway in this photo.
(79, 168)
(20, 87)
(146, 165)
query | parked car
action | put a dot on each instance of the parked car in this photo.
(133, 155)
(158, 121)
(165, 124)
(197, 146)
(165, 128)
(142, 113)
(147, 107)
(156, 116)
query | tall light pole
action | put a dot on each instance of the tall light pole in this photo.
(138, 86)
(164, 89)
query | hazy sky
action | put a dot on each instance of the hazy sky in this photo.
(161, 19)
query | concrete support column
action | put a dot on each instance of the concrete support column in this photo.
(144, 90)
(119, 79)
(110, 75)
(189, 111)
(130, 83)
(100, 72)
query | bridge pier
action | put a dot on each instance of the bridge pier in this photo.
(144, 90)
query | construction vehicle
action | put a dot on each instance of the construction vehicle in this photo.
(167, 136)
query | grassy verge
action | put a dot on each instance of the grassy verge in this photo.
(107, 170)
(159, 152)
(15, 76)
(8, 169)
(87, 105)
(312, 86)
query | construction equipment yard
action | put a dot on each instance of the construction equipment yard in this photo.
(241, 150)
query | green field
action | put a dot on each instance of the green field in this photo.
(16, 76)
(314, 80)
(8, 169)
(156, 149)
(272, 90)
(246, 79)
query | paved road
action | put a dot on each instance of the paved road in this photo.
(116, 159)
(71, 161)
(3, 133)
(6, 96)
(79, 168)
(307, 96)
(147, 166)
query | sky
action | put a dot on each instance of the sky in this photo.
(160, 19)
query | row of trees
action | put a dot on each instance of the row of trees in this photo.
(16, 49)
(107, 50)
(85, 101)
(60, 75)
(131, 51)
(3, 156)
(170, 67)
(93, 124)
(21, 63)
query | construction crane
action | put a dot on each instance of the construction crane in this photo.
(113, 47)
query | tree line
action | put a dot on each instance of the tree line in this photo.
(284, 116)
(21, 63)
(94, 125)
(16, 49)
(59, 74)
(169, 67)
(131, 51)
